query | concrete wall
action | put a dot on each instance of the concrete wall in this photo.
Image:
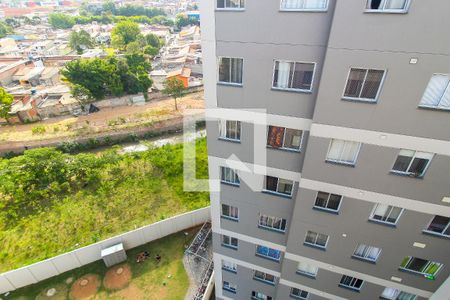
(34, 273)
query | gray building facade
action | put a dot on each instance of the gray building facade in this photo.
(328, 128)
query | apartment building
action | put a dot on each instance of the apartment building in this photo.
(329, 147)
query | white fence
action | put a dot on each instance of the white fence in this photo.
(42, 270)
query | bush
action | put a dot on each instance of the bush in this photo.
(40, 129)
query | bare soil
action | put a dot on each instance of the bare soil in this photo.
(80, 292)
(115, 281)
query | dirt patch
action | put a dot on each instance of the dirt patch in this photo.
(55, 292)
(117, 277)
(85, 287)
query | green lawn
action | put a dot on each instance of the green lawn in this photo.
(166, 280)
(51, 202)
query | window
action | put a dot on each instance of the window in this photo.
(230, 4)
(351, 282)
(363, 84)
(260, 296)
(230, 242)
(307, 269)
(284, 138)
(386, 214)
(229, 287)
(328, 201)
(275, 223)
(230, 130)
(437, 93)
(229, 266)
(366, 252)
(413, 163)
(229, 175)
(268, 252)
(294, 76)
(387, 5)
(440, 226)
(279, 186)
(230, 212)
(312, 5)
(394, 294)
(230, 70)
(421, 266)
(316, 239)
(264, 277)
(343, 152)
(299, 294)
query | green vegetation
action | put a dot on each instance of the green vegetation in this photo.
(6, 101)
(124, 33)
(102, 77)
(80, 40)
(149, 278)
(61, 21)
(40, 129)
(5, 29)
(183, 20)
(175, 88)
(52, 202)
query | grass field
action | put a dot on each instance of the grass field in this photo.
(150, 280)
(44, 213)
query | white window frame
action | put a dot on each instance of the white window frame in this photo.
(437, 107)
(278, 183)
(364, 81)
(236, 175)
(306, 273)
(230, 245)
(298, 297)
(385, 222)
(274, 219)
(284, 138)
(410, 163)
(388, 11)
(397, 292)
(218, 70)
(341, 162)
(223, 127)
(260, 296)
(366, 258)
(304, 9)
(328, 199)
(267, 256)
(227, 286)
(229, 266)
(264, 279)
(230, 8)
(434, 232)
(315, 245)
(429, 262)
(230, 207)
(293, 89)
(351, 287)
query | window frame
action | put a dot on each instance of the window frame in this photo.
(305, 273)
(229, 217)
(225, 138)
(434, 232)
(277, 193)
(364, 100)
(229, 8)
(274, 220)
(305, 9)
(408, 259)
(219, 58)
(229, 287)
(256, 297)
(354, 255)
(442, 108)
(297, 296)
(264, 279)
(229, 269)
(266, 256)
(341, 162)
(395, 296)
(237, 183)
(388, 11)
(293, 89)
(284, 139)
(315, 245)
(385, 222)
(230, 245)
(328, 199)
(410, 174)
(350, 287)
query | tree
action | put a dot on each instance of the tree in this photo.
(150, 50)
(61, 21)
(182, 20)
(5, 29)
(6, 101)
(80, 40)
(153, 40)
(124, 33)
(82, 94)
(175, 88)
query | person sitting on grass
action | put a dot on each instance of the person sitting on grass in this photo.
(158, 258)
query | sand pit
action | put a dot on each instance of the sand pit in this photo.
(117, 277)
(85, 287)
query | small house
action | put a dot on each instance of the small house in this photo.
(182, 74)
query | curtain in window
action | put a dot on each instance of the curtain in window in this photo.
(222, 128)
(406, 296)
(271, 183)
(282, 74)
(372, 253)
(380, 211)
(275, 136)
(315, 4)
(372, 84)
(394, 214)
(349, 151)
(307, 268)
(292, 4)
(236, 70)
(334, 153)
(437, 88)
(310, 237)
(354, 83)
(285, 186)
(395, 4)
(390, 293)
(292, 138)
